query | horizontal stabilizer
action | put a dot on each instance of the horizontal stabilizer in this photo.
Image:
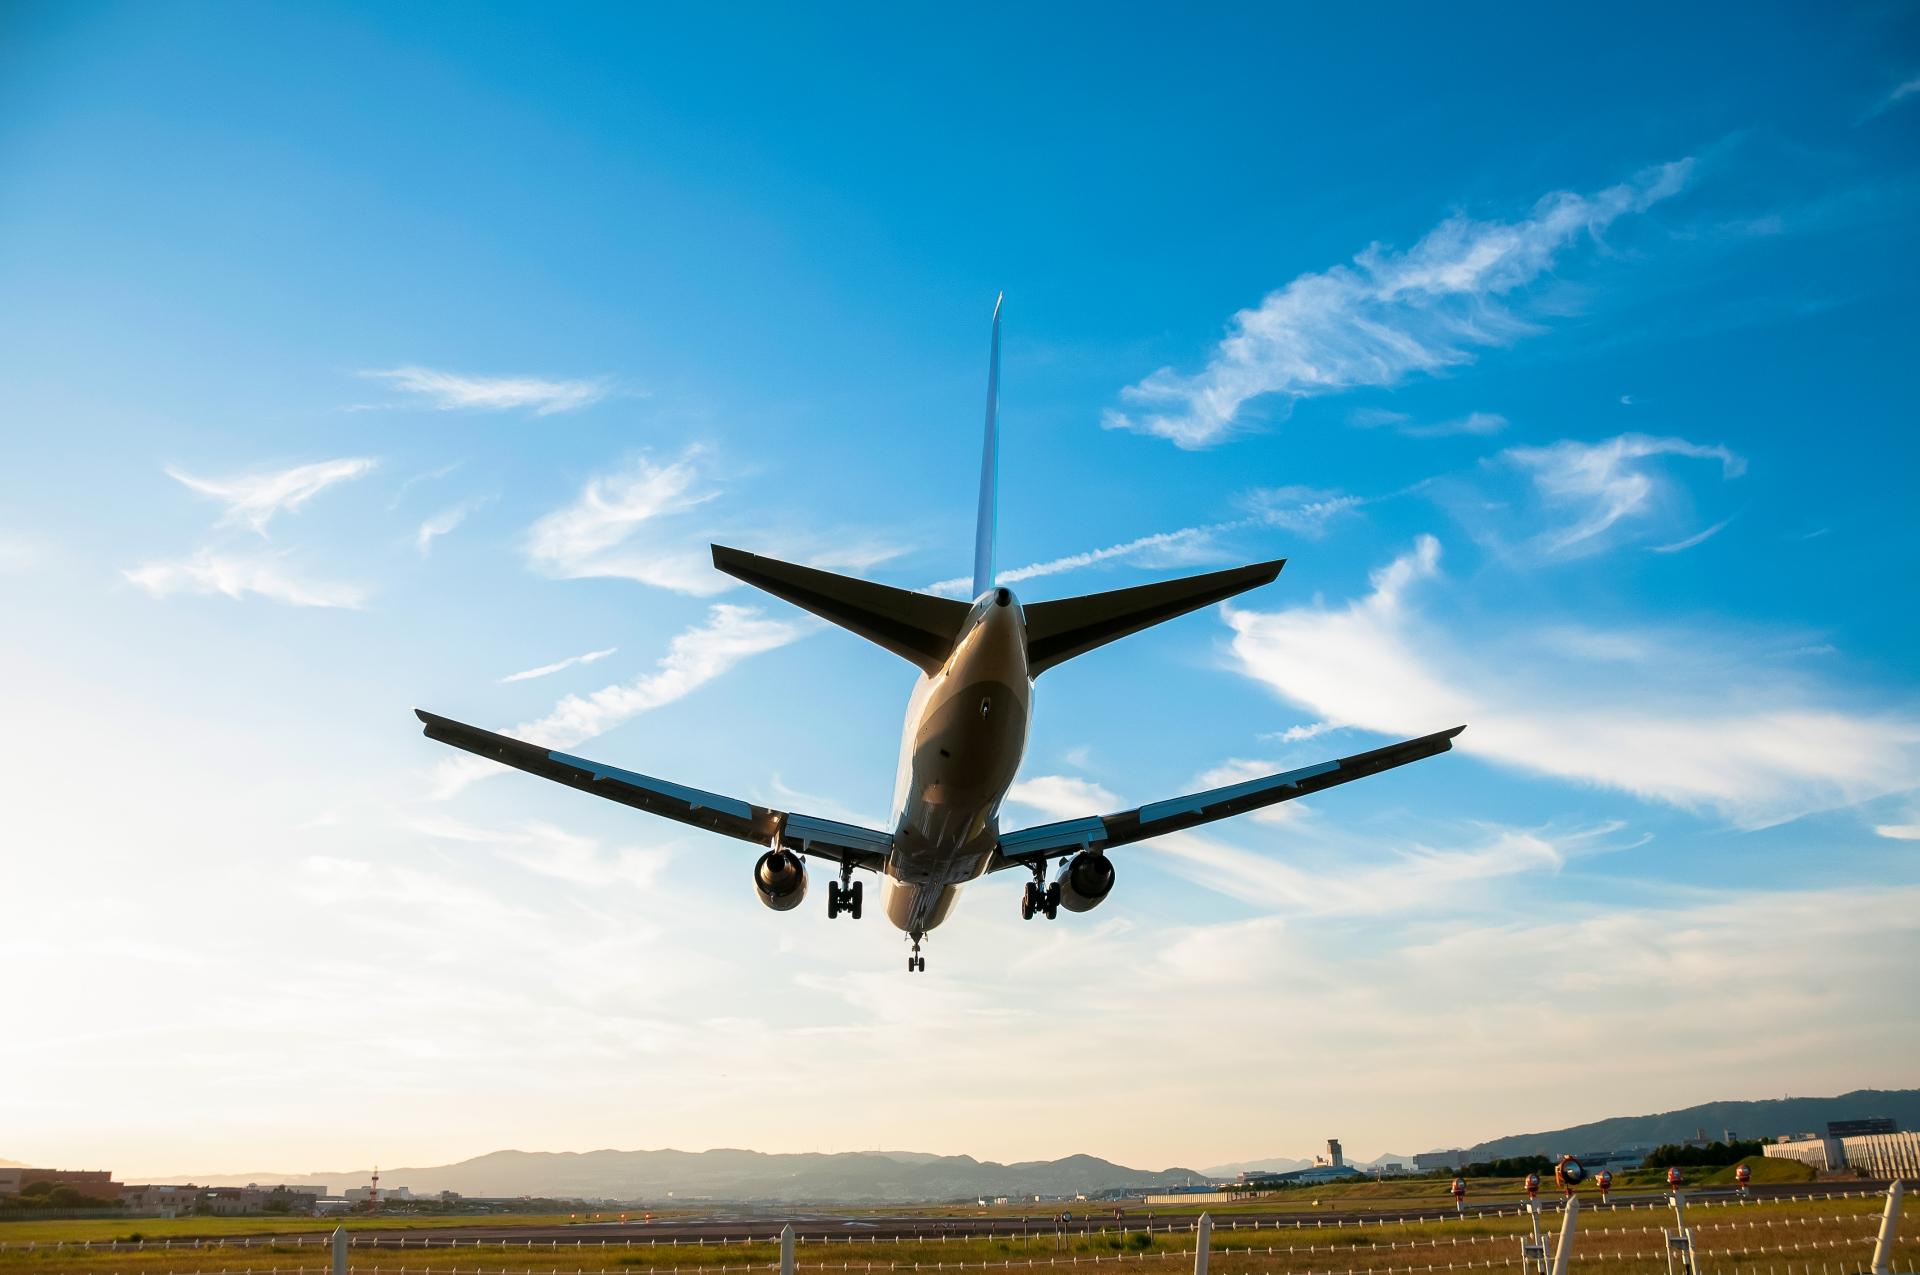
(1058, 631)
(915, 626)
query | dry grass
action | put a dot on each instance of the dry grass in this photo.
(1821, 1237)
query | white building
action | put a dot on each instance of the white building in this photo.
(1824, 1154)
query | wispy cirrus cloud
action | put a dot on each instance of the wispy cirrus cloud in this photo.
(1898, 94)
(1601, 486)
(594, 536)
(437, 525)
(1479, 424)
(1382, 319)
(695, 657)
(1305, 511)
(254, 499)
(457, 392)
(1403, 879)
(554, 852)
(527, 675)
(622, 526)
(1695, 719)
(237, 576)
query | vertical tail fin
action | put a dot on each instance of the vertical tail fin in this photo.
(989, 468)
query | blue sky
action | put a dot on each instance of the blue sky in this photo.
(356, 358)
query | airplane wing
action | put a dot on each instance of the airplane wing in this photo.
(1098, 832)
(729, 816)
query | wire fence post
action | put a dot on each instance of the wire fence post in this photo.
(786, 1249)
(1564, 1253)
(1889, 1228)
(340, 1250)
(1202, 1237)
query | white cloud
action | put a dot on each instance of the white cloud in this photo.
(235, 576)
(1476, 423)
(438, 525)
(1600, 485)
(451, 391)
(1898, 831)
(1305, 511)
(1416, 878)
(1900, 93)
(695, 657)
(20, 553)
(1697, 538)
(527, 675)
(1384, 318)
(592, 536)
(255, 498)
(1698, 720)
(555, 852)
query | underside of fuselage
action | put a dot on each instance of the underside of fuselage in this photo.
(966, 730)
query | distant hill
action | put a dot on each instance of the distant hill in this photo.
(1766, 1117)
(726, 1174)
(1234, 1170)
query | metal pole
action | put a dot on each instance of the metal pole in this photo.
(1562, 1254)
(786, 1249)
(1202, 1237)
(1689, 1263)
(1889, 1225)
(340, 1250)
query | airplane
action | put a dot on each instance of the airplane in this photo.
(966, 729)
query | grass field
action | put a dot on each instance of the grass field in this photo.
(1818, 1237)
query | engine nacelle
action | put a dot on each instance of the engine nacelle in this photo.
(780, 879)
(1085, 881)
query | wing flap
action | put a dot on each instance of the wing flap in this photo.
(715, 812)
(1018, 849)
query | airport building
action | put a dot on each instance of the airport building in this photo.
(1884, 1155)
(1428, 1161)
(1880, 1152)
(98, 1183)
(1823, 1154)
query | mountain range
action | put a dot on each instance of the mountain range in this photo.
(908, 1176)
(1768, 1117)
(729, 1174)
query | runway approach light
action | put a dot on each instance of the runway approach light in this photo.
(1743, 1175)
(1533, 1186)
(1459, 1189)
(1568, 1174)
(1604, 1180)
(1675, 1178)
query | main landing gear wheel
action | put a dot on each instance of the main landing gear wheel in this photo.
(843, 898)
(1042, 899)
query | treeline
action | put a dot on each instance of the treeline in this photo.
(1674, 1155)
(45, 1195)
(1517, 1166)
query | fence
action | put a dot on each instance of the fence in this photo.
(1698, 1232)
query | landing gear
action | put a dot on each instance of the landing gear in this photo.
(843, 897)
(1040, 897)
(916, 964)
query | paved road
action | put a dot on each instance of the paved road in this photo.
(735, 1228)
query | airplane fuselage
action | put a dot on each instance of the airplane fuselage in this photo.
(966, 730)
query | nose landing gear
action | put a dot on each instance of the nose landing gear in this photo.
(916, 964)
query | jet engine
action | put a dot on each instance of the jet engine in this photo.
(1085, 881)
(780, 879)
